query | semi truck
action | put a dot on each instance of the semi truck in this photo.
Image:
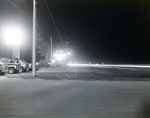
(59, 59)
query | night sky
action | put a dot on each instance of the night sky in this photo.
(109, 31)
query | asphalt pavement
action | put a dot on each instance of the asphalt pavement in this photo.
(38, 98)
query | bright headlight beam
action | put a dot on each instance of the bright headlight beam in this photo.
(109, 65)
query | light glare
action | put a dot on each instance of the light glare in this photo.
(109, 65)
(13, 36)
(59, 55)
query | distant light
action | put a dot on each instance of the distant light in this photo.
(59, 55)
(59, 58)
(37, 63)
(53, 61)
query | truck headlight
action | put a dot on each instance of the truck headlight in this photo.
(53, 61)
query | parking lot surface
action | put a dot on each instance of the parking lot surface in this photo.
(41, 98)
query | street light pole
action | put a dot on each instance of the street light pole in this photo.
(16, 51)
(34, 40)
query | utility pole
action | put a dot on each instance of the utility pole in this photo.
(67, 46)
(51, 49)
(67, 49)
(34, 40)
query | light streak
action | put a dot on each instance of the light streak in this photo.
(109, 65)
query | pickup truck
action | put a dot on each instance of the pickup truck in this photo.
(12, 67)
(24, 64)
(3, 68)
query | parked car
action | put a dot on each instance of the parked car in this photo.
(12, 67)
(3, 68)
(24, 64)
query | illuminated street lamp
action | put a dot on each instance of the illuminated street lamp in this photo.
(13, 37)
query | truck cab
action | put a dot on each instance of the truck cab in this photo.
(59, 58)
(24, 64)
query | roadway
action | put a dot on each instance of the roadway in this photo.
(38, 98)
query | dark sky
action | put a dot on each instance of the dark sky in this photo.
(109, 31)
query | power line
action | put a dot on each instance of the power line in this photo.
(37, 23)
(50, 23)
(48, 18)
(54, 23)
(28, 16)
(61, 23)
(20, 10)
(42, 31)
